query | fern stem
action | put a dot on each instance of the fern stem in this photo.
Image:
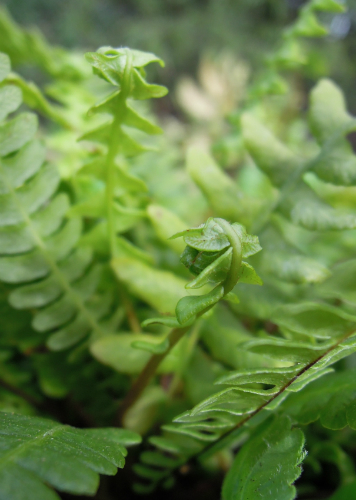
(147, 374)
(236, 258)
(129, 310)
(113, 151)
(192, 341)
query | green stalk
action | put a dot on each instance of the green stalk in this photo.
(113, 151)
(236, 259)
(177, 333)
(147, 374)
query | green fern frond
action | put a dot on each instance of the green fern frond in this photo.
(39, 253)
(38, 454)
(124, 69)
(316, 336)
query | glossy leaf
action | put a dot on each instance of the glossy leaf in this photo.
(189, 307)
(37, 453)
(268, 464)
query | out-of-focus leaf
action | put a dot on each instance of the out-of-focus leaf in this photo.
(160, 289)
(119, 352)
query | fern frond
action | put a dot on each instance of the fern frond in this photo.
(329, 335)
(38, 245)
(38, 454)
(124, 69)
(267, 464)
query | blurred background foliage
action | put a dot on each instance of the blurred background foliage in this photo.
(185, 32)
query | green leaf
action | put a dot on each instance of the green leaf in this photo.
(327, 100)
(294, 268)
(165, 223)
(215, 272)
(10, 100)
(134, 119)
(305, 209)
(119, 352)
(222, 193)
(142, 90)
(267, 464)
(328, 5)
(166, 321)
(5, 67)
(248, 275)
(331, 398)
(317, 320)
(33, 97)
(231, 297)
(250, 243)
(336, 163)
(269, 154)
(110, 64)
(36, 452)
(341, 284)
(15, 133)
(138, 277)
(188, 307)
(276, 377)
(208, 238)
(151, 347)
(287, 350)
(308, 25)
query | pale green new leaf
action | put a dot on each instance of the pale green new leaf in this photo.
(189, 307)
(165, 223)
(222, 193)
(160, 289)
(120, 352)
(215, 272)
(269, 154)
(209, 237)
(330, 122)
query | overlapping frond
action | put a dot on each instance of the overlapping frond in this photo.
(313, 337)
(38, 454)
(40, 259)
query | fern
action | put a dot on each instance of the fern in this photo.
(38, 244)
(123, 68)
(38, 454)
(87, 254)
(257, 469)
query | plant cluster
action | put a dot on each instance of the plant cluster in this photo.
(106, 339)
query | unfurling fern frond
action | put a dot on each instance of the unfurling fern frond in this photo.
(214, 254)
(38, 454)
(37, 244)
(124, 69)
